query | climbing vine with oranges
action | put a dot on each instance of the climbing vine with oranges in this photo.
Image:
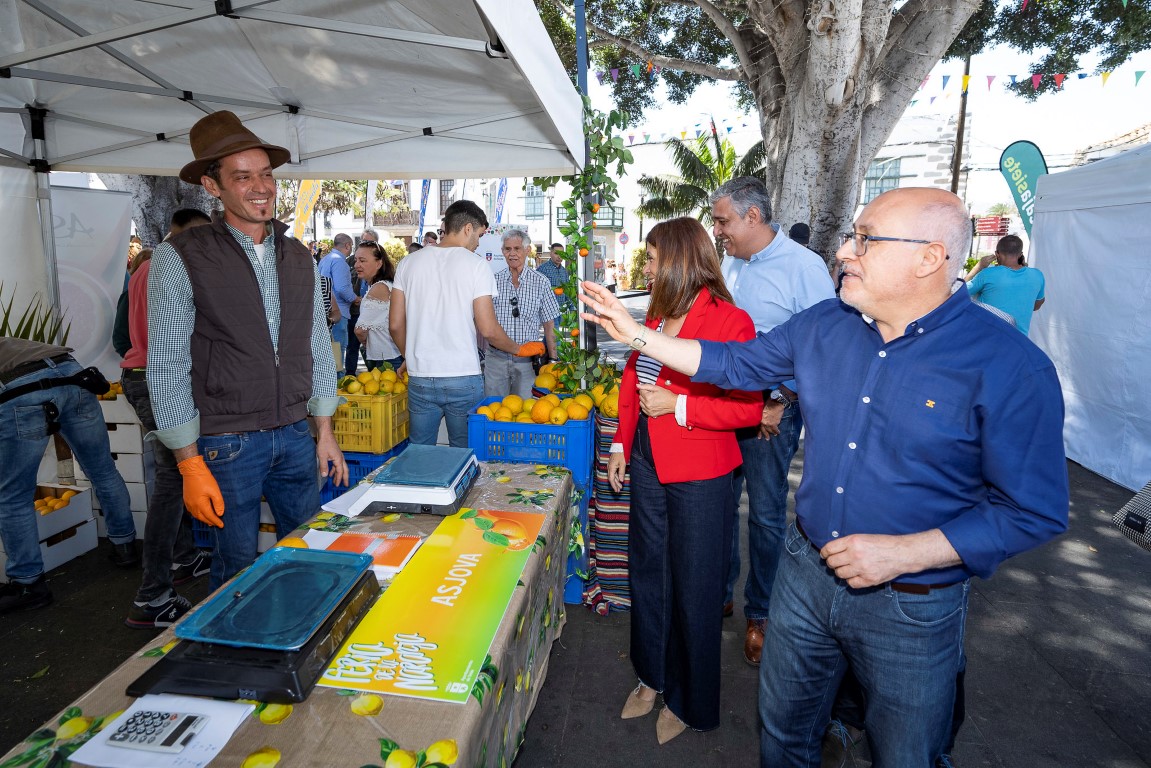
(608, 159)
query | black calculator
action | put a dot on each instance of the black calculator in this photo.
(157, 731)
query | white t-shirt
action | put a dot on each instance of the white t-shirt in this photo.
(439, 285)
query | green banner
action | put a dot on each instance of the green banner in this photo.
(1022, 164)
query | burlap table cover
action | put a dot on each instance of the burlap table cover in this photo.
(338, 728)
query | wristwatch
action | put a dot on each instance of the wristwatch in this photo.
(639, 342)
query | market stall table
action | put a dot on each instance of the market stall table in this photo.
(338, 727)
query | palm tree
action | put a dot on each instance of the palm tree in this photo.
(704, 164)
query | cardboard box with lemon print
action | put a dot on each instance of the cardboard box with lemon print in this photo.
(427, 635)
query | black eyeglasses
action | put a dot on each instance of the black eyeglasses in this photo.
(51, 418)
(515, 302)
(862, 240)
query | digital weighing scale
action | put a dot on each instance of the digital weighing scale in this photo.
(432, 479)
(271, 632)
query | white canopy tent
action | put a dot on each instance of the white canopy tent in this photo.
(353, 88)
(1090, 237)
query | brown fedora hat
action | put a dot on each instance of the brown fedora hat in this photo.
(221, 134)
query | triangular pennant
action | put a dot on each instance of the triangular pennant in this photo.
(646, 138)
(924, 83)
(1013, 77)
(1105, 75)
(698, 133)
(914, 102)
(649, 66)
(683, 134)
(945, 79)
(1024, 5)
(614, 75)
(631, 138)
(1082, 75)
(729, 129)
(932, 101)
(1124, 3)
(1138, 74)
(599, 76)
(1035, 80)
(1059, 80)
(990, 79)
(635, 69)
(966, 80)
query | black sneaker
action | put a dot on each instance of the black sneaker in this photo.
(157, 617)
(15, 596)
(124, 555)
(200, 566)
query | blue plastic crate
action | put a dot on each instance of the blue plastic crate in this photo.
(569, 445)
(574, 585)
(360, 465)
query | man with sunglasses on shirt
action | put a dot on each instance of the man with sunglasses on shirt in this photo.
(524, 303)
(933, 453)
(40, 396)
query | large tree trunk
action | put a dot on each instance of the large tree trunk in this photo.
(155, 199)
(831, 90)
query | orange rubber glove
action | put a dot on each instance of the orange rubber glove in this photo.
(531, 349)
(202, 495)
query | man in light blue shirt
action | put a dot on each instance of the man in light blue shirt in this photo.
(771, 278)
(1011, 285)
(335, 267)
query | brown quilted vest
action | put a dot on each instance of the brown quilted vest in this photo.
(239, 383)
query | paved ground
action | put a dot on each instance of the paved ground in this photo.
(1058, 675)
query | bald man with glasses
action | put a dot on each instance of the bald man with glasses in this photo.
(933, 452)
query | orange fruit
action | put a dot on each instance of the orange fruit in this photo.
(575, 332)
(577, 412)
(595, 207)
(585, 400)
(610, 405)
(541, 411)
(503, 413)
(293, 542)
(583, 251)
(514, 403)
(517, 535)
(399, 387)
(528, 405)
(552, 398)
(483, 410)
(545, 381)
(558, 415)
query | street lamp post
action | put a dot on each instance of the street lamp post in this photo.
(642, 199)
(551, 193)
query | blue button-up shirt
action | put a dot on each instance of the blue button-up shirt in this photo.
(957, 425)
(776, 283)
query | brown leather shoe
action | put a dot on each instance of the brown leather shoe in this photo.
(728, 608)
(636, 706)
(753, 641)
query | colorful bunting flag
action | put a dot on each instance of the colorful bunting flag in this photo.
(966, 80)
(614, 75)
(945, 79)
(1105, 75)
(1035, 80)
(1012, 79)
(1059, 80)
(990, 79)
(1138, 74)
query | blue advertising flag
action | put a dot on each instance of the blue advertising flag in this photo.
(501, 195)
(424, 205)
(1021, 165)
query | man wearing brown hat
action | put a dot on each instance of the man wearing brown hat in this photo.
(238, 354)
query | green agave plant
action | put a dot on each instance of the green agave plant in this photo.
(38, 321)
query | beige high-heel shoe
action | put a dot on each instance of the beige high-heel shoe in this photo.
(668, 726)
(636, 706)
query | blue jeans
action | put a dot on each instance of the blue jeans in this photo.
(677, 558)
(278, 464)
(340, 336)
(168, 536)
(905, 649)
(443, 397)
(23, 438)
(765, 466)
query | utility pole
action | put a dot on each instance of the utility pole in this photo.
(957, 153)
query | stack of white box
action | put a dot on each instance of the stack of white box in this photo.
(64, 533)
(134, 460)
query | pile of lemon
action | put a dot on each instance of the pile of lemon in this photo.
(378, 381)
(605, 399)
(49, 504)
(546, 410)
(114, 388)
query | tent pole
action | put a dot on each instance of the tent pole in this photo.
(35, 127)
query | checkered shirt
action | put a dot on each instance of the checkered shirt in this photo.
(534, 299)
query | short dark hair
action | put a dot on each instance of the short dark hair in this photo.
(800, 233)
(213, 171)
(182, 218)
(557, 245)
(341, 239)
(435, 238)
(1012, 245)
(413, 247)
(461, 213)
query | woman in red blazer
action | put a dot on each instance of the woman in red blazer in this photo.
(678, 438)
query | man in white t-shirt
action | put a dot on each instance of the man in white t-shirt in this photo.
(442, 295)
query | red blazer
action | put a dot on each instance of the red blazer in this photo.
(706, 447)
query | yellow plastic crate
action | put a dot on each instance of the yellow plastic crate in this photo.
(371, 423)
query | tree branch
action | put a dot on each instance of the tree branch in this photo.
(665, 62)
(725, 25)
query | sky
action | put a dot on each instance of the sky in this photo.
(1084, 112)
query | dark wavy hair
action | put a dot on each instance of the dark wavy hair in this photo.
(688, 262)
(387, 269)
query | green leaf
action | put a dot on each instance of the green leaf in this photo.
(497, 539)
(468, 514)
(387, 746)
(39, 674)
(484, 523)
(36, 752)
(69, 713)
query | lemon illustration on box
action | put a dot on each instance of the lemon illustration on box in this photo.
(464, 574)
